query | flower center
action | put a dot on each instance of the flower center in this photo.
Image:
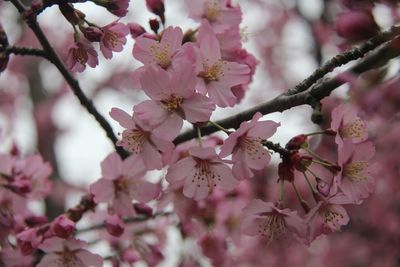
(212, 10)
(253, 147)
(68, 259)
(121, 184)
(356, 171)
(161, 55)
(133, 140)
(111, 38)
(356, 129)
(173, 103)
(214, 72)
(79, 54)
(203, 173)
(331, 218)
(273, 226)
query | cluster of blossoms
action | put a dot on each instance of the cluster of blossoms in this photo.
(186, 76)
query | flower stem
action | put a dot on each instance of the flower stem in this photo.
(220, 127)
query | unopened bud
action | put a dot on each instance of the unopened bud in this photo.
(143, 209)
(114, 225)
(70, 13)
(93, 33)
(28, 241)
(157, 8)
(136, 29)
(297, 142)
(63, 227)
(301, 162)
(356, 25)
(154, 25)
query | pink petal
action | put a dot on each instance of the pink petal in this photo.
(224, 177)
(208, 44)
(257, 206)
(180, 170)
(133, 167)
(229, 145)
(89, 259)
(221, 94)
(123, 118)
(144, 191)
(50, 260)
(103, 190)
(170, 128)
(241, 171)
(235, 74)
(197, 108)
(150, 112)
(151, 157)
(173, 37)
(155, 81)
(195, 188)
(263, 129)
(111, 166)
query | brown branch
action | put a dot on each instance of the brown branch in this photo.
(72, 82)
(26, 51)
(311, 96)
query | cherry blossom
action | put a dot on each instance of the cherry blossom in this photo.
(201, 172)
(139, 139)
(121, 183)
(65, 253)
(79, 54)
(348, 125)
(356, 178)
(245, 145)
(217, 76)
(273, 223)
(173, 100)
(113, 38)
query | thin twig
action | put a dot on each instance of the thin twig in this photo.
(26, 51)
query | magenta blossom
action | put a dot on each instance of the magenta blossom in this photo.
(355, 179)
(245, 145)
(201, 172)
(113, 38)
(121, 183)
(173, 100)
(149, 51)
(348, 125)
(217, 76)
(139, 140)
(64, 253)
(266, 219)
(79, 54)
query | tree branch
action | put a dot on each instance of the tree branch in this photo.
(306, 97)
(26, 51)
(73, 83)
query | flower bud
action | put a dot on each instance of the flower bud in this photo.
(63, 227)
(93, 33)
(156, 7)
(143, 209)
(300, 161)
(34, 220)
(69, 12)
(356, 25)
(114, 225)
(130, 256)
(297, 142)
(28, 241)
(136, 29)
(154, 25)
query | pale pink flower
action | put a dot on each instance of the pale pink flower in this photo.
(121, 183)
(348, 125)
(355, 179)
(245, 145)
(217, 76)
(161, 53)
(139, 139)
(219, 13)
(65, 253)
(173, 100)
(328, 216)
(201, 171)
(79, 54)
(113, 38)
(266, 219)
(28, 240)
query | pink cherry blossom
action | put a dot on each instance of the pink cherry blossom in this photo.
(173, 99)
(79, 54)
(65, 253)
(150, 51)
(219, 13)
(348, 125)
(245, 145)
(63, 227)
(121, 183)
(266, 219)
(138, 138)
(355, 179)
(201, 172)
(113, 38)
(217, 76)
(328, 215)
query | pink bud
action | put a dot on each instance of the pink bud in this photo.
(35, 220)
(323, 187)
(356, 25)
(156, 7)
(144, 209)
(300, 161)
(130, 256)
(93, 34)
(297, 142)
(154, 25)
(114, 225)
(136, 29)
(63, 227)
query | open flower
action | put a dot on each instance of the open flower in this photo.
(65, 253)
(113, 38)
(266, 219)
(173, 99)
(201, 172)
(79, 54)
(139, 140)
(123, 182)
(348, 125)
(355, 179)
(245, 145)
(217, 76)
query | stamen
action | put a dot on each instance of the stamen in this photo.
(356, 171)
